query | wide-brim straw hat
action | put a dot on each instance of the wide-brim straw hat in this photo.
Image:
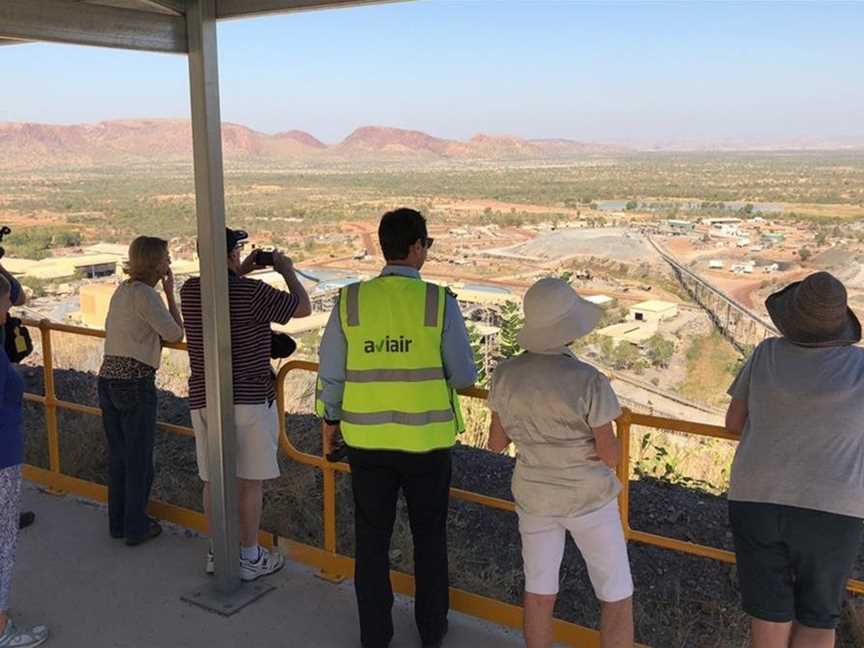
(555, 315)
(814, 312)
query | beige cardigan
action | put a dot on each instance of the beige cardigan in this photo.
(137, 323)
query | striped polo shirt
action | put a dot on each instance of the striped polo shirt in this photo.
(254, 305)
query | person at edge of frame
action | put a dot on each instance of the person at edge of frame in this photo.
(18, 298)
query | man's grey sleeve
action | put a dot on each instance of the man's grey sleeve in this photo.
(331, 373)
(459, 366)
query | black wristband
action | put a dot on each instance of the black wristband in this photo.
(331, 421)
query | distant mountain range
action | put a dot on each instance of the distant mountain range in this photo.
(29, 145)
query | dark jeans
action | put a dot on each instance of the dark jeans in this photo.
(376, 477)
(129, 417)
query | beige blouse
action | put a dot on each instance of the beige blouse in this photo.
(138, 322)
(548, 403)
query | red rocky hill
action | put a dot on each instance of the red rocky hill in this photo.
(25, 145)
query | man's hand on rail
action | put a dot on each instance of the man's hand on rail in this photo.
(334, 445)
(331, 433)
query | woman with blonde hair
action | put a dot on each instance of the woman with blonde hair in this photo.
(138, 323)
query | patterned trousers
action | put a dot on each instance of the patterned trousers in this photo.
(10, 502)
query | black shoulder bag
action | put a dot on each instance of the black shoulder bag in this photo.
(17, 341)
(282, 345)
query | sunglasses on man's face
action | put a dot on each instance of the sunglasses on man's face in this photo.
(427, 242)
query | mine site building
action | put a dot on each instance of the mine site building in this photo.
(653, 310)
(681, 225)
(634, 333)
(94, 299)
(114, 249)
(468, 297)
(89, 266)
(773, 237)
(600, 300)
(717, 222)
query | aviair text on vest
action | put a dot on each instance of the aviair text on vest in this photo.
(388, 345)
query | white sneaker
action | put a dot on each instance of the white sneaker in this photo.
(210, 567)
(269, 562)
(15, 637)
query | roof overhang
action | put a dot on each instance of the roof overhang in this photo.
(150, 25)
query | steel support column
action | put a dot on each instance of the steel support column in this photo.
(210, 208)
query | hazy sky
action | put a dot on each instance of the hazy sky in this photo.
(633, 72)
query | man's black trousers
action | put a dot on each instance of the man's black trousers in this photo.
(376, 477)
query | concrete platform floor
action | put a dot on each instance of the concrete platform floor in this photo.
(94, 592)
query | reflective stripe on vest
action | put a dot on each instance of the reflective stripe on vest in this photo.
(396, 394)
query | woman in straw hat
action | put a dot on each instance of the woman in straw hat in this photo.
(559, 412)
(796, 498)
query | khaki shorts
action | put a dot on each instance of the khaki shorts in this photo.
(600, 540)
(257, 441)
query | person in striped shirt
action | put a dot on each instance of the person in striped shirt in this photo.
(253, 306)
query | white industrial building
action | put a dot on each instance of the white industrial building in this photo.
(653, 310)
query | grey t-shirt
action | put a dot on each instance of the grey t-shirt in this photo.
(548, 403)
(803, 443)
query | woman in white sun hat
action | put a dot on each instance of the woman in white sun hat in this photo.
(558, 411)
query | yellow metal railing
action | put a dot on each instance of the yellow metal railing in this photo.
(333, 565)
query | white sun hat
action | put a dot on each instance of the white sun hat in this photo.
(555, 315)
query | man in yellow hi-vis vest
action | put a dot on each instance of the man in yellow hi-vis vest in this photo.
(393, 354)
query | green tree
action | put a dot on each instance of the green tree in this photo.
(821, 239)
(626, 356)
(804, 254)
(607, 348)
(511, 324)
(631, 205)
(660, 350)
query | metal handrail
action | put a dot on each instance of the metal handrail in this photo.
(333, 565)
(624, 424)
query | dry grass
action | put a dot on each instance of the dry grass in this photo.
(704, 460)
(710, 363)
(476, 415)
(845, 212)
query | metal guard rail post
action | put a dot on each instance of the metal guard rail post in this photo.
(334, 566)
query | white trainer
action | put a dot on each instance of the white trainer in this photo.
(15, 637)
(210, 567)
(269, 562)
